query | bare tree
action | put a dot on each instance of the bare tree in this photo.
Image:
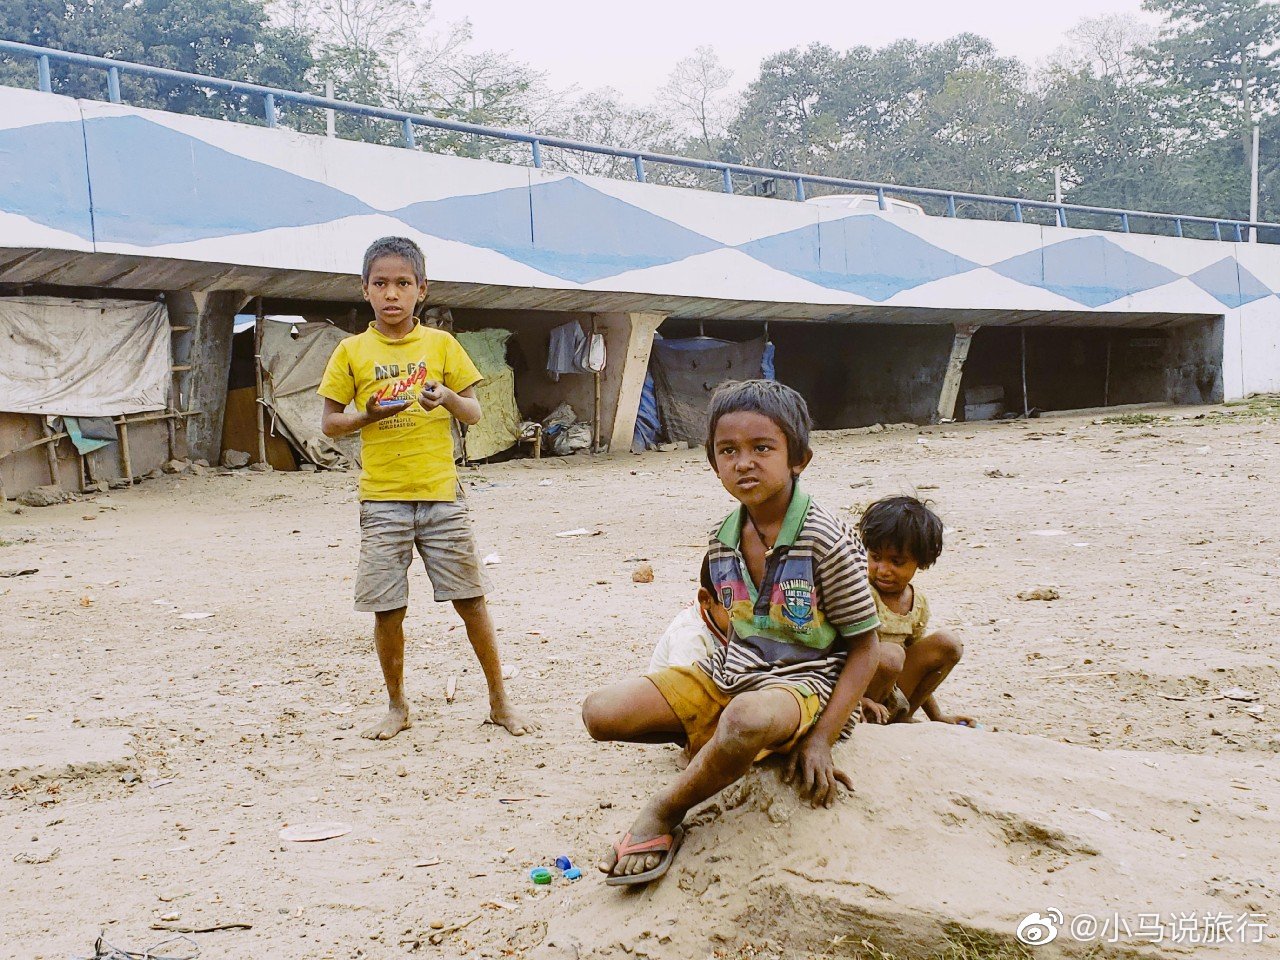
(694, 96)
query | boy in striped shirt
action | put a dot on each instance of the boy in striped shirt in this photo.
(802, 646)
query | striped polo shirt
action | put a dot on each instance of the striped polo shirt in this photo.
(813, 595)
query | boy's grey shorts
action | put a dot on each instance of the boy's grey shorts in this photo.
(390, 529)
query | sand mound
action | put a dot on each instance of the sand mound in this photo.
(958, 834)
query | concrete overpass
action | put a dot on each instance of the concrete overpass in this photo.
(101, 196)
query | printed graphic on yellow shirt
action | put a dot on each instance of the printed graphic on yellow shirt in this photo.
(408, 456)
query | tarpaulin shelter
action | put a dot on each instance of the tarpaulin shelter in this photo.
(293, 360)
(686, 372)
(499, 428)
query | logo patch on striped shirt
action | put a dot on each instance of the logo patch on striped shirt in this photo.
(797, 601)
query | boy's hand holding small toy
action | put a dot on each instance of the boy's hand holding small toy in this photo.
(433, 395)
(381, 409)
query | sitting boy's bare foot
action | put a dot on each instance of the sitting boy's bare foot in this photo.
(397, 719)
(514, 723)
(647, 826)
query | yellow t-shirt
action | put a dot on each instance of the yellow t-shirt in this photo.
(408, 456)
(903, 628)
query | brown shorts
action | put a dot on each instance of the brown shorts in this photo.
(698, 702)
(441, 531)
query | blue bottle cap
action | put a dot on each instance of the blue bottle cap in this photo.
(564, 863)
(573, 873)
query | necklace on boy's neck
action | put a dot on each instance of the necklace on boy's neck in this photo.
(760, 536)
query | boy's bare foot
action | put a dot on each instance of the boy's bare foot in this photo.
(647, 826)
(514, 723)
(397, 719)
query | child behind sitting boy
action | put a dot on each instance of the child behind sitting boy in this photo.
(696, 632)
(902, 536)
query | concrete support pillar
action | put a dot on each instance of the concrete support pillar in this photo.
(955, 370)
(630, 383)
(205, 347)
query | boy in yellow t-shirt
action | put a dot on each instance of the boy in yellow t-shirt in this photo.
(407, 382)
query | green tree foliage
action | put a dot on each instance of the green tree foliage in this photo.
(232, 39)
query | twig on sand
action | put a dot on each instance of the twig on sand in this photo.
(210, 928)
(1072, 676)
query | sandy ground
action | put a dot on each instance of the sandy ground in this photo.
(1161, 538)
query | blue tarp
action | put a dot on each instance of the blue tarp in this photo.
(648, 421)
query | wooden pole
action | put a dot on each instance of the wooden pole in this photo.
(1106, 381)
(258, 329)
(595, 376)
(1026, 402)
(126, 461)
(51, 453)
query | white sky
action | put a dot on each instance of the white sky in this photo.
(632, 45)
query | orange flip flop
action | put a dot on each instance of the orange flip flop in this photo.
(667, 845)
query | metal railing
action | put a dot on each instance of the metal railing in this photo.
(273, 98)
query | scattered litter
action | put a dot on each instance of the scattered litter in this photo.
(1236, 693)
(311, 832)
(450, 689)
(1040, 593)
(198, 615)
(37, 858)
(580, 532)
(500, 903)
(341, 710)
(1255, 710)
(997, 473)
(492, 560)
(642, 574)
(157, 784)
(540, 875)
(1100, 814)
(210, 928)
(106, 951)
(512, 799)
(510, 672)
(438, 937)
(163, 603)
(1080, 544)
(573, 873)
(564, 863)
(1048, 533)
(1204, 449)
(546, 483)
(19, 573)
(433, 862)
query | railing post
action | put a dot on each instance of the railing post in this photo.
(951, 205)
(113, 84)
(1239, 235)
(1017, 212)
(1217, 230)
(537, 153)
(800, 189)
(269, 104)
(1177, 227)
(880, 198)
(1124, 222)
(1062, 216)
(640, 168)
(726, 180)
(408, 134)
(42, 68)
